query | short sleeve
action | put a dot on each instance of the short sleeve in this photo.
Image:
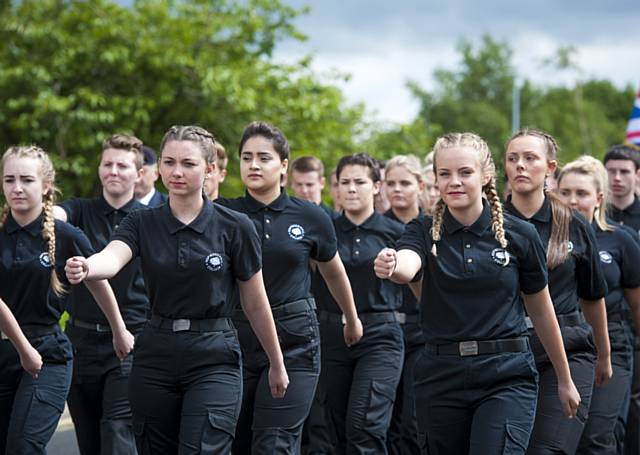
(128, 231)
(630, 258)
(72, 208)
(77, 244)
(532, 261)
(415, 238)
(591, 283)
(326, 244)
(246, 250)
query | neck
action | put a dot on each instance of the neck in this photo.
(24, 218)
(528, 203)
(117, 201)
(467, 216)
(186, 207)
(266, 196)
(406, 214)
(622, 202)
(213, 195)
(358, 218)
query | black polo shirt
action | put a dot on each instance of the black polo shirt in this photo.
(190, 270)
(629, 216)
(409, 301)
(358, 246)
(292, 231)
(619, 255)
(25, 271)
(99, 221)
(580, 275)
(471, 289)
(329, 211)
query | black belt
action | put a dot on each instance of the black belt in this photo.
(470, 348)
(404, 318)
(35, 331)
(365, 318)
(564, 320)
(191, 325)
(89, 325)
(297, 306)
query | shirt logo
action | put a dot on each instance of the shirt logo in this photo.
(44, 260)
(296, 232)
(213, 262)
(569, 246)
(501, 257)
(606, 257)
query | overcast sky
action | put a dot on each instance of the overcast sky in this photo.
(383, 43)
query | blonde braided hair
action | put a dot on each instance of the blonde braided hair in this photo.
(47, 174)
(487, 167)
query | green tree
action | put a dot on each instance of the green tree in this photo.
(74, 72)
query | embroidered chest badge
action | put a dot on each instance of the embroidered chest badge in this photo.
(296, 232)
(569, 246)
(213, 262)
(44, 260)
(605, 257)
(501, 256)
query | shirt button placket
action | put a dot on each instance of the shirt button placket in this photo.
(266, 226)
(183, 251)
(467, 254)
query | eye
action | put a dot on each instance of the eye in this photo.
(443, 174)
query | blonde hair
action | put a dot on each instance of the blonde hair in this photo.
(591, 167)
(48, 175)
(201, 137)
(561, 214)
(487, 167)
(410, 162)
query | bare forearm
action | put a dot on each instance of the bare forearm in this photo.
(337, 281)
(9, 326)
(595, 313)
(102, 266)
(104, 296)
(408, 264)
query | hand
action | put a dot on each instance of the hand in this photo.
(603, 371)
(569, 398)
(77, 269)
(385, 263)
(123, 343)
(31, 361)
(352, 332)
(278, 381)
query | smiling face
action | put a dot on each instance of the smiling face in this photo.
(117, 171)
(261, 168)
(23, 186)
(183, 168)
(459, 178)
(527, 165)
(356, 189)
(401, 188)
(579, 192)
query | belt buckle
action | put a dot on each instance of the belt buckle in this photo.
(100, 328)
(180, 325)
(468, 348)
(401, 317)
(343, 319)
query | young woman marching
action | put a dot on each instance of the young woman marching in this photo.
(186, 382)
(34, 249)
(575, 281)
(358, 383)
(475, 382)
(293, 232)
(582, 184)
(403, 185)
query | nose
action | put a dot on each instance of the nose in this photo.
(254, 164)
(352, 187)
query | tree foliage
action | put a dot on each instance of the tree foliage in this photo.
(74, 72)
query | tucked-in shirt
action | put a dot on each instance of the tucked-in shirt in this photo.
(471, 289)
(358, 246)
(190, 270)
(99, 221)
(25, 271)
(620, 259)
(580, 275)
(291, 231)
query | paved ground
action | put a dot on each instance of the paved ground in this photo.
(64, 440)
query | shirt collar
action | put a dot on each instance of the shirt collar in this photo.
(278, 205)
(451, 225)
(34, 228)
(344, 224)
(389, 214)
(543, 214)
(108, 209)
(198, 225)
(147, 197)
(634, 208)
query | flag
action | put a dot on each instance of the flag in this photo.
(633, 129)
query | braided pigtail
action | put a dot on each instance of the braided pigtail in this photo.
(4, 213)
(497, 215)
(49, 234)
(436, 227)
